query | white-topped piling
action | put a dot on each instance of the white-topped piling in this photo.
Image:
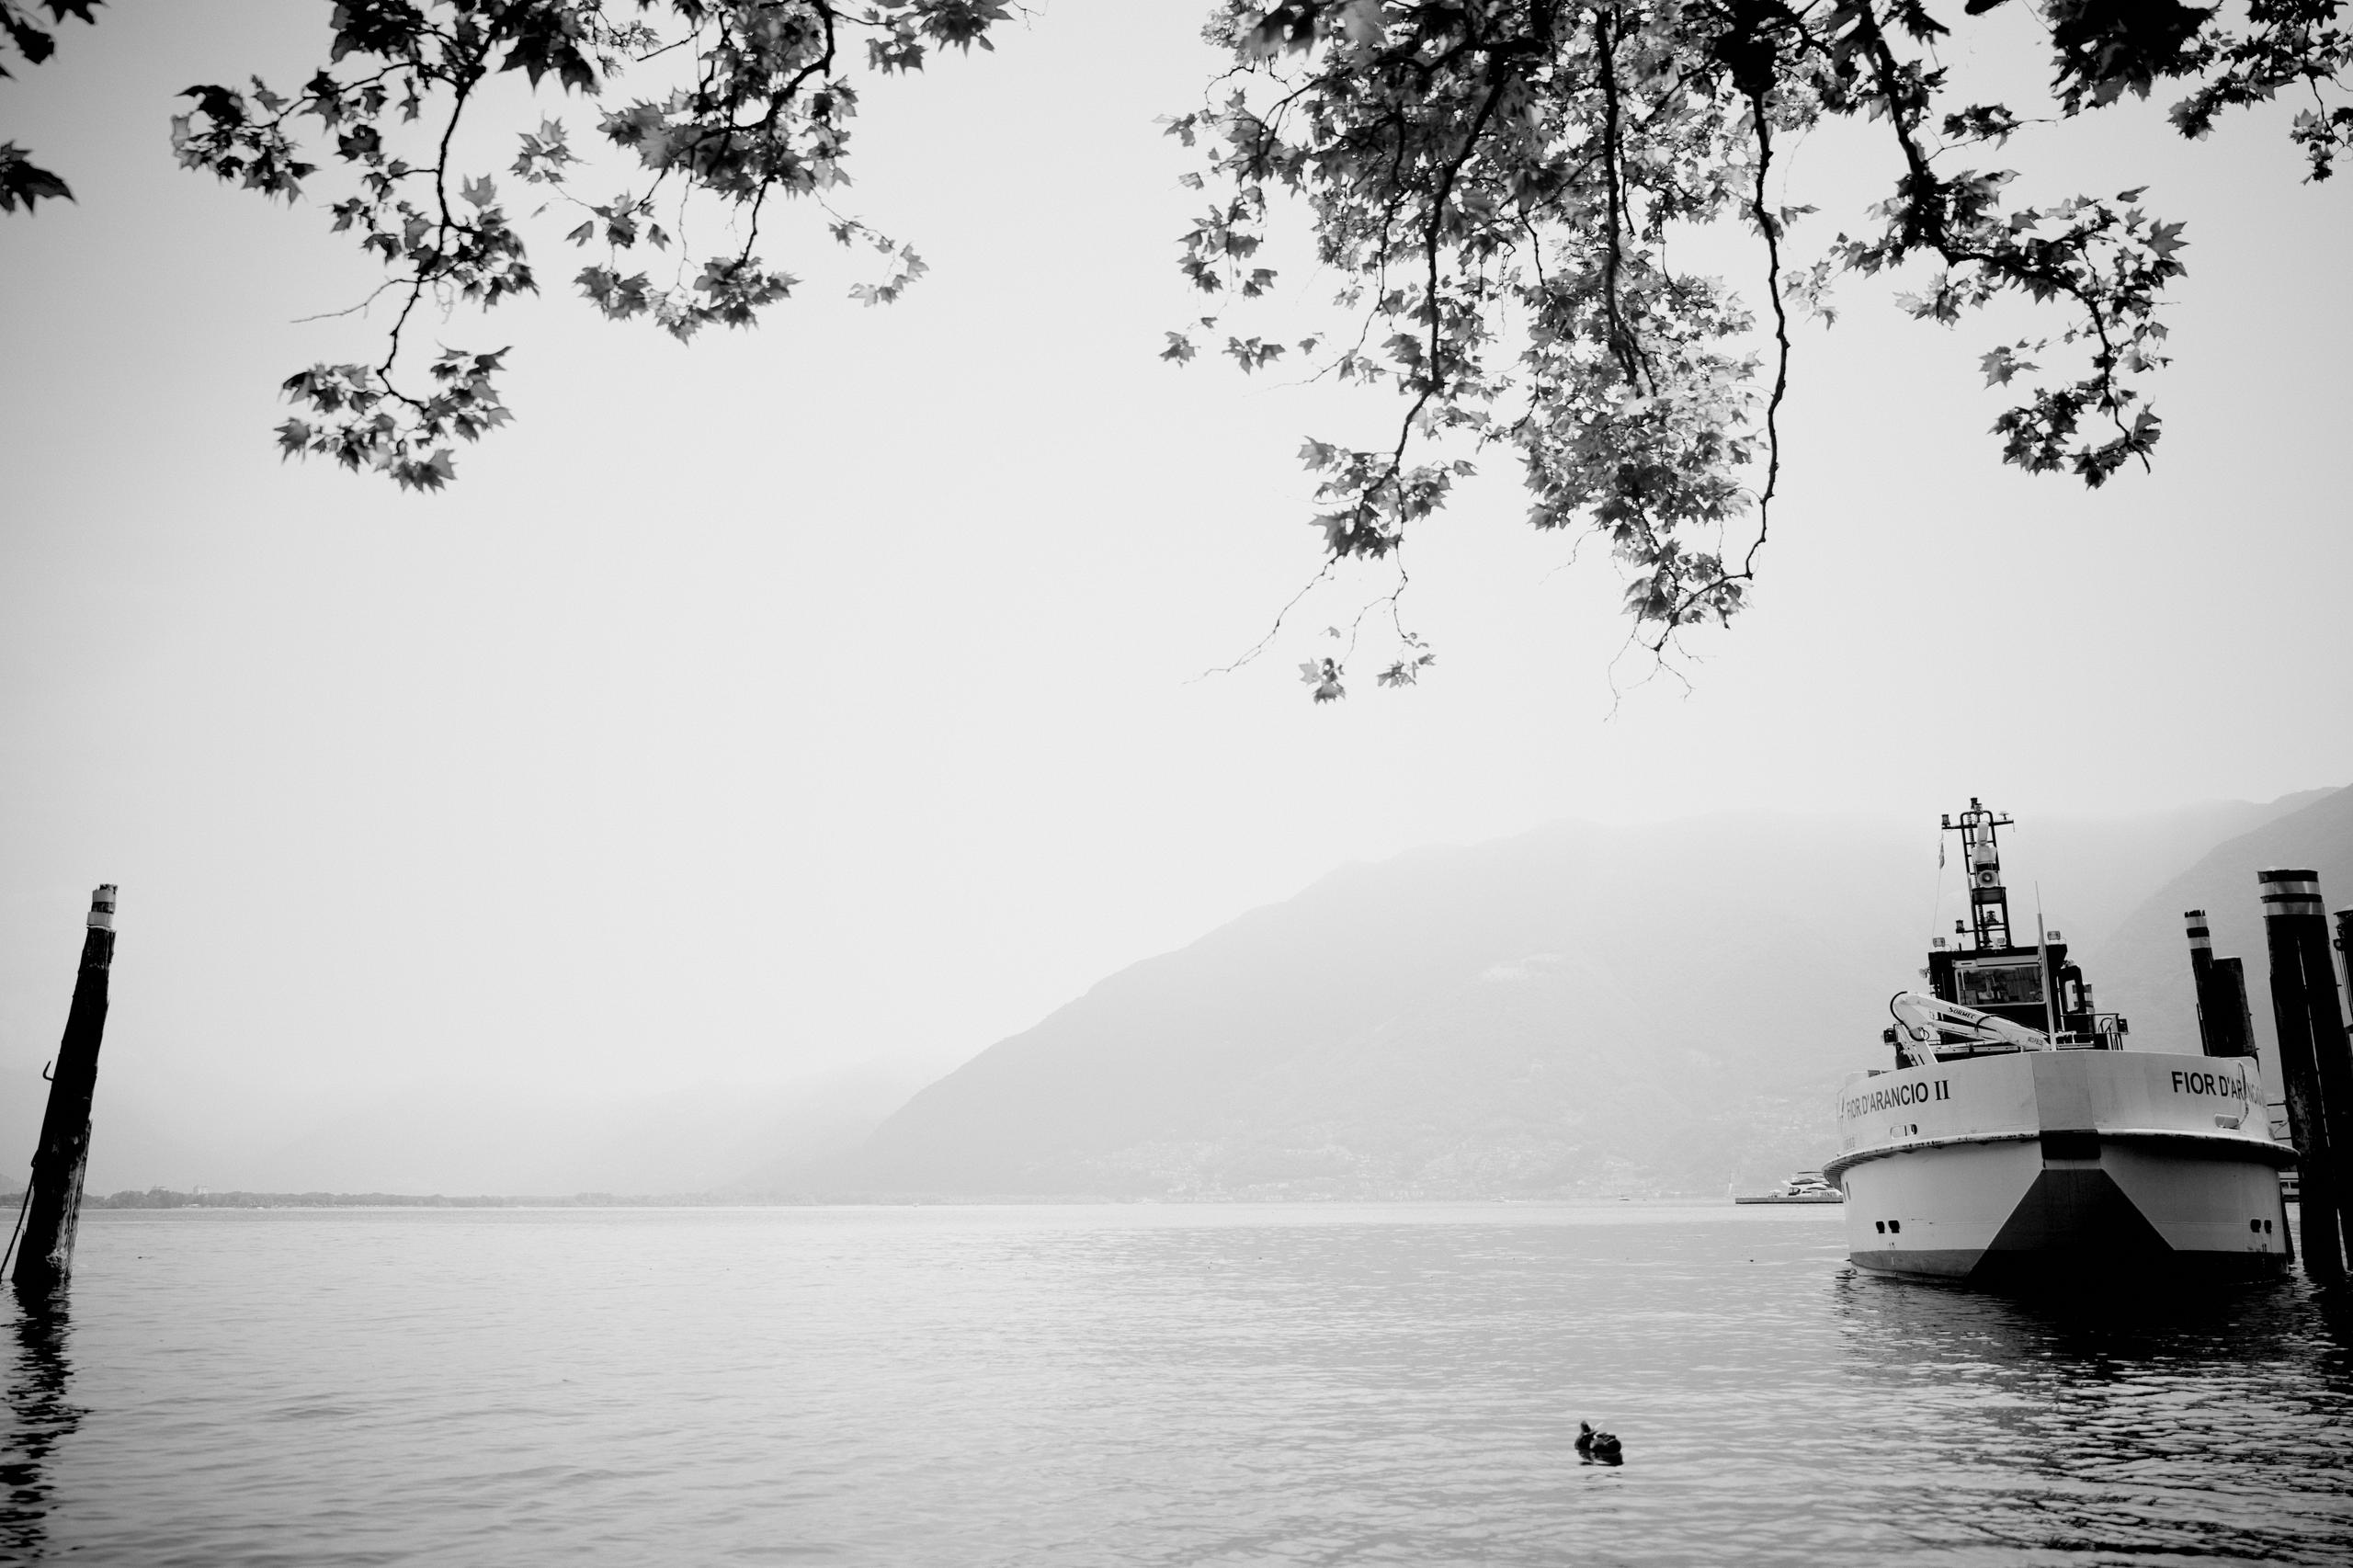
(53, 1198)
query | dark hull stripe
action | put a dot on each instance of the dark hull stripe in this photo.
(2079, 1211)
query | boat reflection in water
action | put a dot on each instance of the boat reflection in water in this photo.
(2158, 1423)
(40, 1417)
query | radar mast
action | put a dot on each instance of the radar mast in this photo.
(1981, 853)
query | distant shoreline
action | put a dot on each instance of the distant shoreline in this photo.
(158, 1197)
(155, 1199)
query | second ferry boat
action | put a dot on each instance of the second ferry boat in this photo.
(2015, 1140)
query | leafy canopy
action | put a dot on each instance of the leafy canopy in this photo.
(22, 181)
(1493, 184)
(749, 105)
(1490, 184)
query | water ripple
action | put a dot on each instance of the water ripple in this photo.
(1145, 1386)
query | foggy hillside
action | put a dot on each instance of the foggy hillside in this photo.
(2139, 970)
(1575, 1010)
(2094, 872)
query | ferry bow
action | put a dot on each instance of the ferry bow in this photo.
(1995, 1152)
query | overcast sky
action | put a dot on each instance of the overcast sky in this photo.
(825, 695)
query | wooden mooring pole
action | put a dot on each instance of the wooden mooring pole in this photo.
(2224, 1027)
(53, 1198)
(2313, 1059)
(2345, 946)
(2331, 1051)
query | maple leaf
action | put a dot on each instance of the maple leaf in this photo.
(24, 182)
(1408, 671)
(433, 474)
(1360, 22)
(2002, 364)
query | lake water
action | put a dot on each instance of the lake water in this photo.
(1135, 1385)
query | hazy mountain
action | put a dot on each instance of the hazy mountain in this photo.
(2143, 969)
(2094, 872)
(1576, 1010)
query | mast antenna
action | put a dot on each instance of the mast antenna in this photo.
(1981, 859)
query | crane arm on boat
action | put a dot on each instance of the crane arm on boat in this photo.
(1924, 1023)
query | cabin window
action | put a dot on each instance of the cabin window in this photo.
(2000, 984)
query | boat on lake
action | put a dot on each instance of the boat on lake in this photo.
(2015, 1140)
(1806, 1187)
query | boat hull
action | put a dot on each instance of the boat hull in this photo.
(2063, 1166)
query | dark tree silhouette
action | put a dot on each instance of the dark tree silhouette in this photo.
(1489, 183)
(22, 181)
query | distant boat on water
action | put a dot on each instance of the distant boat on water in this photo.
(1804, 1187)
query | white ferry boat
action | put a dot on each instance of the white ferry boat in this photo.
(1806, 1187)
(2015, 1140)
